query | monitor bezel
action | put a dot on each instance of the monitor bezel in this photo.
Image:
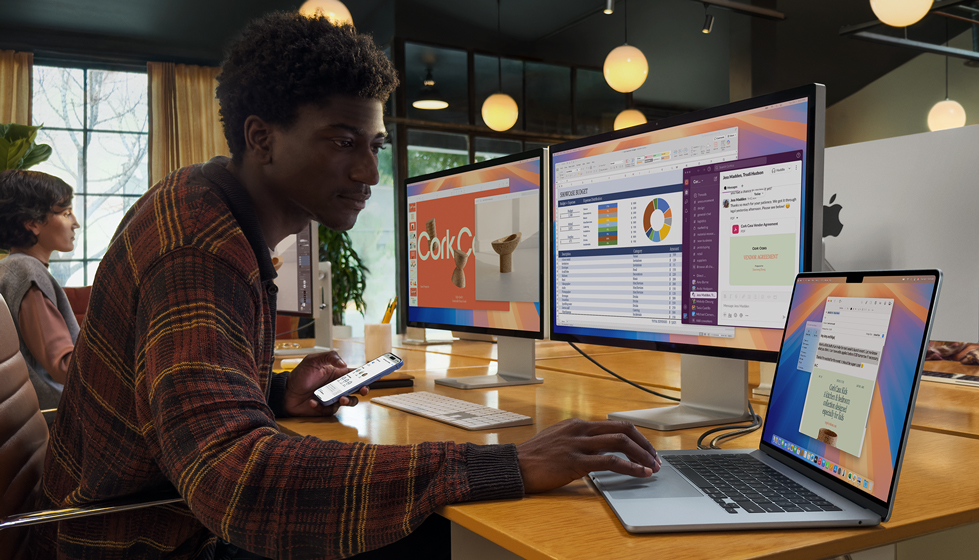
(812, 247)
(402, 244)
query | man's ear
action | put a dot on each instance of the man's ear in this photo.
(258, 139)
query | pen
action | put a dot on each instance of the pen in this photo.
(390, 310)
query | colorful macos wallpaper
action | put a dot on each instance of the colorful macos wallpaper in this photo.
(778, 129)
(474, 248)
(847, 373)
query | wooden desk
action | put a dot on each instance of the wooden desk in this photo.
(545, 349)
(937, 489)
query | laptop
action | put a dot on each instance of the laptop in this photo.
(837, 424)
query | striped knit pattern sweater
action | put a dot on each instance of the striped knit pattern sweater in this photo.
(171, 387)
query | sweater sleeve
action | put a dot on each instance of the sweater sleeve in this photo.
(45, 333)
(213, 435)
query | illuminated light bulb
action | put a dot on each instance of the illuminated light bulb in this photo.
(500, 112)
(625, 68)
(946, 114)
(334, 10)
(900, 13)
(627, 118)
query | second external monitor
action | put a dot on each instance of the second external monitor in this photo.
(473, 256)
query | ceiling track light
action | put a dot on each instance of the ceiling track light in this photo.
(708, 22)
(609, 7)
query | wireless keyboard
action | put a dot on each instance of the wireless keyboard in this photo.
(455, 412)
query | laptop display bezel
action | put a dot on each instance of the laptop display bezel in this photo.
(878, 506)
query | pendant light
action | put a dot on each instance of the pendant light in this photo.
(625, 67)
(334, 10)
(948, 113)
(900, 13)
(499, 110)
(429, 97)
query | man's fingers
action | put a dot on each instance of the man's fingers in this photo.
(616, 464)
(619, 426)
(621, 443)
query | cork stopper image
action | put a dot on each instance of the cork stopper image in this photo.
(458, 274)
(827, 436)
(430, 228)
(504, 247)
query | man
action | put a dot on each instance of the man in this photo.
(171, 384)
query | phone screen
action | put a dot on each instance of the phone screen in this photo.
(357, 378)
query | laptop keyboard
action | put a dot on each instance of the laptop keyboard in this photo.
(741, 483)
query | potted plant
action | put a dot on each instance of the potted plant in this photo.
(17, 147)
(19, 151)
(349, 275)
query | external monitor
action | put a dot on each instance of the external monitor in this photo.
(303, 286)
(472, 252)
(685, 235)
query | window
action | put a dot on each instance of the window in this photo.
(373, 239)
(96, 122)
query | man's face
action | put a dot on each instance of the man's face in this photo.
(325, 163)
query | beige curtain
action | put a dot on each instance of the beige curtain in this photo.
(184, 124)
(15, 87)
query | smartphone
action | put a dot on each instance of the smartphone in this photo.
(354, 380)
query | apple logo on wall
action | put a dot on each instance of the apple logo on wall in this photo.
(831, 219)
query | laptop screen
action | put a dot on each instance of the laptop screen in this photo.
(847, 374)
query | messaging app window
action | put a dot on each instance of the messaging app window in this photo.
(842, 354)
(743, 240)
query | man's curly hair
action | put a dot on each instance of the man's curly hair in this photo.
(27, 196)
(284, 60)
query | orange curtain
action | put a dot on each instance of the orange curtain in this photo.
(15, 87)
(185, 127)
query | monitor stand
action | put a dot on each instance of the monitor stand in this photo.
(713, 391)
(515, 366)
(416, 336)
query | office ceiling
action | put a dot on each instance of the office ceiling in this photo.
(688, 70)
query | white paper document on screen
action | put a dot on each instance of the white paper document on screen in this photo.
(843, 377)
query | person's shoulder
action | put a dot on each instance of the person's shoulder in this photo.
(184, 210)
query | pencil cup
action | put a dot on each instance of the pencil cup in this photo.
(377, 340)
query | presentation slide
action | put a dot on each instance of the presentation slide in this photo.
(444, 275)
(850, 341)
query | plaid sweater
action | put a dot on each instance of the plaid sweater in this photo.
(171, 386)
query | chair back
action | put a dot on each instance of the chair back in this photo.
(23, 433)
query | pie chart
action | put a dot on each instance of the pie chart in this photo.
(650, 217)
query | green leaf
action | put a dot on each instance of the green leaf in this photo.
(16, 142)
(39, 153)
(21, 131)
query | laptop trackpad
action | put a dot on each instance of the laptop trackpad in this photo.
(667, 483)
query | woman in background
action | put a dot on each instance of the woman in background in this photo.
(36, 219)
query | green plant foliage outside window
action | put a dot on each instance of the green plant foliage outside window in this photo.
(348, 271)
(17, 147)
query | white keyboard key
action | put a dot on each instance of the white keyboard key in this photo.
(455, 412)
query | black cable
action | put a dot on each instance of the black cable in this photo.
(739, 429)
(620, 378)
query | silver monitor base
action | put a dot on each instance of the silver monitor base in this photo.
(515, 366)
(714, 391)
